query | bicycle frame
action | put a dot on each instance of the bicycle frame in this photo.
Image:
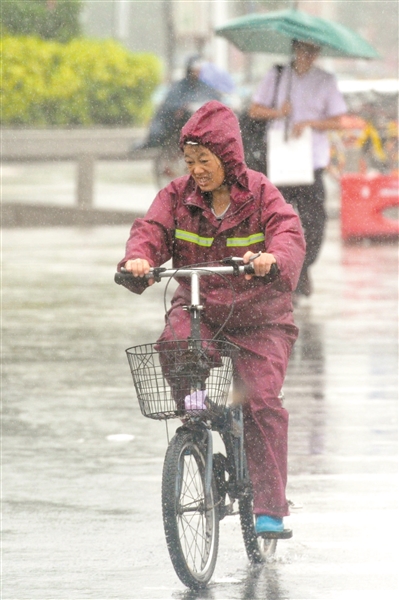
(234, 447)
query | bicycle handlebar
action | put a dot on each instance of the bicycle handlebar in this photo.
(233, 268)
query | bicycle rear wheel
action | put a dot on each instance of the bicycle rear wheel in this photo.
(258, 549)
(191, 528)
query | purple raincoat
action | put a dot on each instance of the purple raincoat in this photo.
(180, 225)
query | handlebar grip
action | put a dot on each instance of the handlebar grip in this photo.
(271, 276)
(137, 285)
(121, 278)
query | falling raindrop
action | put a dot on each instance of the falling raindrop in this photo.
(120, 437)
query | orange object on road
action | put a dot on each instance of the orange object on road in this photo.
(363, 202)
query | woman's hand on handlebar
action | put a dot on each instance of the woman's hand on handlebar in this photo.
(139, 267)
(262, 264)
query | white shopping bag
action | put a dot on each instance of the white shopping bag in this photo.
(289, 162)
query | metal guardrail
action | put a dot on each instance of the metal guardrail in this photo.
(85, 146)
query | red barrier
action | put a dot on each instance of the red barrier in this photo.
(363, 200)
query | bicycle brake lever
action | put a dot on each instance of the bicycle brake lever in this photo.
(231, 260)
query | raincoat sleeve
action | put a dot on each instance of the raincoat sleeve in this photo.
(284, 236)
(152, 236)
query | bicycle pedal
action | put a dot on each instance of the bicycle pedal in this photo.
(276, 535)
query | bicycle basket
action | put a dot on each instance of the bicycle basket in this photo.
(173, 380)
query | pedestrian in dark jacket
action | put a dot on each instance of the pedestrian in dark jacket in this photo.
(176, 109)
(222, 208)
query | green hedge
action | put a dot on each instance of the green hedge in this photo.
(83, 82)
(47, 19)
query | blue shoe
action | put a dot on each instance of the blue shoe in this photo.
(265, 523)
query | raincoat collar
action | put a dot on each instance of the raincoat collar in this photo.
(242, 206)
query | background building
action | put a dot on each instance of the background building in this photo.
(176, 29)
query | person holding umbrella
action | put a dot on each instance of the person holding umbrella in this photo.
(306, 96)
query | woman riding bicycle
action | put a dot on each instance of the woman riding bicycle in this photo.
(222, 208)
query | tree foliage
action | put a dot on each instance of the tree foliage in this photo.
(47, 19)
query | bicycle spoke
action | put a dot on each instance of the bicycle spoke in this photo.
(192, 523)
(194, 545)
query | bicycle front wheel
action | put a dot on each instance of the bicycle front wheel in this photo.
(191, 527)
(258, 549)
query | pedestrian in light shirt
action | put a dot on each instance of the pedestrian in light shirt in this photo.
(306, 96)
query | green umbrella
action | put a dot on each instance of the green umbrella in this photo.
(272, 32)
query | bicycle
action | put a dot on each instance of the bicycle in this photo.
(190, 379)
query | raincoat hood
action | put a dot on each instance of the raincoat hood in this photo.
(216, 127)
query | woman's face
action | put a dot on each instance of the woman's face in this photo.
(204, 166)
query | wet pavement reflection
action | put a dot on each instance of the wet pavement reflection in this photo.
(81, 466)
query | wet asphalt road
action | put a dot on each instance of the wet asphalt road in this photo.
(81, 512)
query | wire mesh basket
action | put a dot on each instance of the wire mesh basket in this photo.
(174, 380)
